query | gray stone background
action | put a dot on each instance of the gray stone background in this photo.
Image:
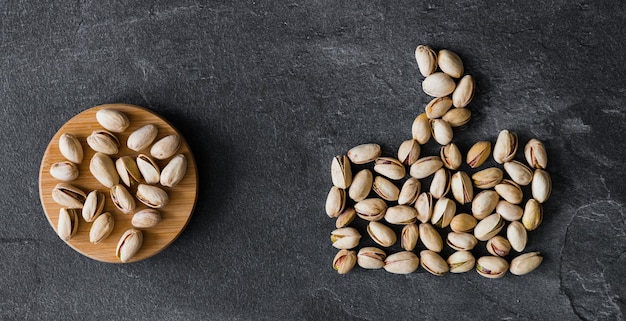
(266, 93)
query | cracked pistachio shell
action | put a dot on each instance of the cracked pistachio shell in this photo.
(463, 223)
(461, 261)
(344, 261)
(70, 148)
(525, 263)
(478, 154)
(365, 153)
(361, 185)
(489, 227)
(409, 237)
(508, 211)
(146, 218)
(535, 154)
(102, 168)
(440, 185)
(438, 84)
(165, 147)
(68, 195)
(433, 263)
(94, 204)
(385, 189)
(451, 156)
(533, 214)
(487, 178)
(484, 204)
(430, 237)
(517, 236)
(443, 212)
(510, 191)
(371, 209)
(153, 196)
(371, 258)
(142, 137)
(404, 262)
(101, 228)
(457, 117)
(441, 131)
(382, 234)
(129, 244)
(64, 171)
(464, 92)
(438, 107)
(113, 120)
(401, 215)
(409, 191)
(103, 141)
(519, 172)
(498, 246)
(174, 171)
(426, 60)
(492, 267)
(128, 171)
(346, 217)
(421, 130)
(345, 238)
(541, 186)
(409, 151)
(335, 201)
(340, 172)
(122, 199)
(425, 166)
(450, 63)
(424, 207)
(149, 169)
(462, 187)
(67, 224)
(461, 241)
(506, 146)
(390, 168)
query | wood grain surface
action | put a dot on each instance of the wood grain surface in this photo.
(175, 215)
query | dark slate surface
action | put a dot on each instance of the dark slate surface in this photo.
(266, 93)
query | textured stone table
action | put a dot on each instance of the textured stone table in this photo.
(266, 93)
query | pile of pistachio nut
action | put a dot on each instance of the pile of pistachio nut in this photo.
(139, 175)
(387, 192)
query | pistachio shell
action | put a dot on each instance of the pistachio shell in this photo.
(346, 217)
(385, 189)
(335, 201)
(426, 60)
(525, 263)
(409, 191)
(94, 204)
(484, 203)
(519, 172)
(443, 212)
(438, 84)
(433, 263)
(361, 185)
(371, 258)
(401, 215)
(344, 261)
(425, 166)
(409, 152)
(113, 120)
(461, 261)
(510, 191)
(541, 185)
(101, 228)
(461, 241)
(506, 146)
(535, 153)
(517, 236)
(165, 147)
(492, 267)
(440, 185)
(70, 148)
(146, 218)
(451, 156)
(404, 262)
(533, 214)
(152, 196)
(390, 168)
(129, 244)
(68, 195)
(464, 92)
(462, 188)
(498, 246)
(438, 107)
(67, 224)
(478, 154)
(364, 153)
(489, 227)
(457, 117)
(149, 169)
(64, 171)
(421, 129)
(174, 171)
(424, 207)
(104, 142)
(381, 234)
(441, 131)
(508, 211)
(409, 237)
(340, 171)
(487, 178)
(345, 238)
(450, 63)
(371, 209)
(430, 237)
(463, 223)
(128, 171)
(102, 168)
(122, 199)
(142, 137)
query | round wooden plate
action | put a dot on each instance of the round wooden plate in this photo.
(175, 215)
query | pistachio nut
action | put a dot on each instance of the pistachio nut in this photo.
(489, 227)
(506, 146)
(68, 223)
(103, 141)
(113, 120)
(153, 196)
(525, 263)
(478, 154)
(451, 156)
(517, 236)
(68, 195)
(64, 171)
(443, 212)
(463, 223)
(533, 214)
(401, 215)
(70, 148)
(409, 236)
(122, 199)
(440, 185)
(487, 178)
(450, 63)
(430, 237)
(518, 172)
(498, 246)
(128, 171)
(371, 258)
(425, 166)
(464, 92)
(339, 169)
(492, 267)
(462, 188)
(102, 168)
(345, 238)
(420, 129)
(424, 207)
(165, 147)
(149, 169)
(438, 84)
(409, 191)
(409, 151)
(344, 261)
(541, 186)
(346, 217)
(457, 117)
(461, 261)
(426, 60)
(385, 189)
(441, 131)
(433, 263)
(390, 168)
(129, 244)
(461, 241)
(146, 218)
(535, 153)
(438, 107)
(404, 262)
(382, 234)
(361, 185)
(365, 153)
(101, 228)
(174, 171)
(484, 204)
(371, 209)
(510, 191)
(94, 204)
(142, 137)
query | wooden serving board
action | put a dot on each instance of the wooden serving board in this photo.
(175, 215)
